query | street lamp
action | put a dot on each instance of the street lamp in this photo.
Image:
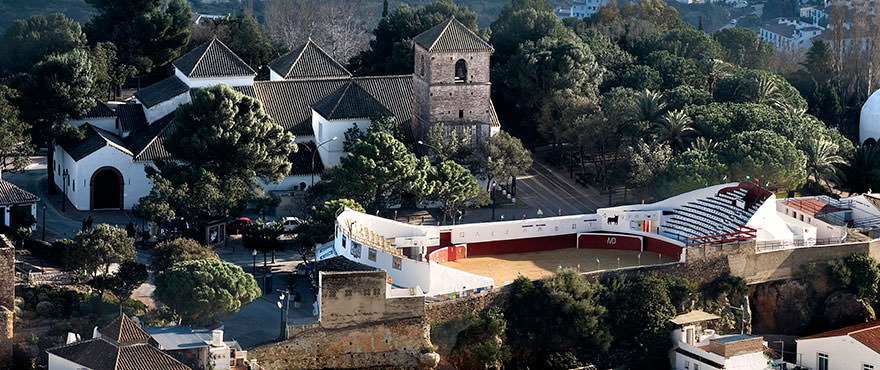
(254, 269)
(285, 312)
(315, 151)
(44, 222)
(492, 194)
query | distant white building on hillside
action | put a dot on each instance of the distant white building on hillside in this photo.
(695, 348)
(789, 35)
(581, 9)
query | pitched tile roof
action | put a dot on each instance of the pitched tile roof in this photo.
(161, 91)
(451, 35)
(308, 61)
(148, 143)
(95, 138)
(11, 194)
(101, 354)
(212, 59)
(131, 117)
(350, 101)
(289, 102)
(866, 333)
(123, 330)
(394, 92)
(100, 110)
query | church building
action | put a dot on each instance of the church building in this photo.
(308, 93)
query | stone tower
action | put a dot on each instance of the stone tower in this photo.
(451, 83)
(7, 301)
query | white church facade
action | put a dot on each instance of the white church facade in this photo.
(309, 94)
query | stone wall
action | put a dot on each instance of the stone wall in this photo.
(442, 311)
(7, 301)
(356, 297)
(386, 344)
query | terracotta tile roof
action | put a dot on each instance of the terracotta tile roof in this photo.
(308, 61)
(350, 101)
(95, 139)
(161, 91)
(101, 354)
(811, 206)
(212, 59)
(289, 103)
(11, 194)
(451, 35)
(123, 330)
(866, 333)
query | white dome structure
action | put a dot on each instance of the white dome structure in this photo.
(869, 121)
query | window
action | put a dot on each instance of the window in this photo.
(348, 292)
(367, 292)
(343, 241)
(687, 364)
(396, 262)
(460, 71)
(460, 113)
(355, 250)
(822, 361)
(331, 293)
(867, 367)
(376, 291)
(371, 255)
(696, 366)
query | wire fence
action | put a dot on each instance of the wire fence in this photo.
(772, 245)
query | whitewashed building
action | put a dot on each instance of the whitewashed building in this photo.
(308, 93)
(790, 34)
(695, 348)
(852, 347)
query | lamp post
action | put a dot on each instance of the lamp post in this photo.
(781, 351)
(492, 194)
(742, 321)
(254, 268)
(44, 222)
(285, 312)
(64, 187)
(315, 151)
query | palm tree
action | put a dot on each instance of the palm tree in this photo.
(863, 171)
(674, 129)
(822, 160)
(716, 70)
(649, 106)
(701, 144)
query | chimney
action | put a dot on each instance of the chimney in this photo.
(217, 338)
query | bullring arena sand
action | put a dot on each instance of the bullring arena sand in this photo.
(504, 268)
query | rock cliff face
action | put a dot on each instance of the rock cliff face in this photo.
(844, 309)
(783, 307)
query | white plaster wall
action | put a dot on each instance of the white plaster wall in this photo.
(136, 183)
(748, 361)
(823, 230)
(231, 81)
(274, 76)
(843, 352)
(58, 363)
(288, 183)
(162, 109)
(768, 223)
(325, 130)
(528, 228)
(106, 123)
(680, 359)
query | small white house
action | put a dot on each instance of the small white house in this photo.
(696, 348)
(12, 196)
(852, 347)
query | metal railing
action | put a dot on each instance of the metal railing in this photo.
(772, 245)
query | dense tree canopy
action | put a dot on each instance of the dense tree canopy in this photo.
(167, 253)
(205, 291)
(454, 187)
(766, 157)
(222, 143)
(14, 141)
(147, 33)
(391, 52)
(98, 248)
(691, 170)
(27, 42)
(743, 47)
(241, 33)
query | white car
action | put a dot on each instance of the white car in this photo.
(291, 223)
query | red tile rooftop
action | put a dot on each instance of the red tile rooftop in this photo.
(811, 206)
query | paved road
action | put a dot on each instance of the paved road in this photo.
(546, 188)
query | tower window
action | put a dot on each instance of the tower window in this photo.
(460, 113)
(460, 71)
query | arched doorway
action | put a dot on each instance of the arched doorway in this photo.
(107, 188)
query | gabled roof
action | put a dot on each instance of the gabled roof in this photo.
(451, 35)
(866, 333)
(101, 354)
(100, 110)
(350, 101)
(123, 330)
(11, 194)
(131, 117)
(308, 61)
(95, 138)
(212, 59)
(161, 91)
(148, 143)
(289, 102)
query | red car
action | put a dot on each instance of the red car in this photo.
(237, 225)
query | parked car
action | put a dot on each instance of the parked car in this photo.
(291, 223)
(237, 225)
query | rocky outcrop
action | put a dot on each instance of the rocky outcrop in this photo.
(844, 309)
(783, 307)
